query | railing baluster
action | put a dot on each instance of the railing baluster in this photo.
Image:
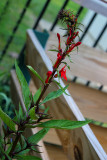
(101, 87)
(90, 23)
(56, 19)
(96, 42)
(77, 14)
(100, 35)
(36, 24)
(79, 11)
(4, 9)
(41, 14)
(15, 29)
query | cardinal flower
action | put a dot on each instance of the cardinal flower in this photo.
(71, 38)
(63, 73)
(59, 55)
(73, 46)
(59, 41)
(49, 73)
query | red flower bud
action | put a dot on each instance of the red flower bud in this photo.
(77, 44)
(49, 73)
(59, 46)
(63, 73)
(72, 46)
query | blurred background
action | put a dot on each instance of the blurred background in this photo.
(17, 17)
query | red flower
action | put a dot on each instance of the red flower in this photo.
(72, 46)
(49, 73)
(63, 73)
(59, 57)
(59, 41)
(70, 39)
(77, 44)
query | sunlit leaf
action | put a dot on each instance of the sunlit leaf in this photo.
(54, 94)
(63, 124)
(58, 83)
(36, 74)
(7, 120)
(32, 113)
(24, 86)
(34, 139)
(36, 95)
(20, 157)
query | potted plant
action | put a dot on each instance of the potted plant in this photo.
(13, 143)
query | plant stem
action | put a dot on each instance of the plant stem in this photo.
(15, 143)
(43, 91)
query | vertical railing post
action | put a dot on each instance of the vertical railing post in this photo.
(88, 26)
(15, 29)
(4, 9)
(36, 24)
(100, 35)
(56, 19)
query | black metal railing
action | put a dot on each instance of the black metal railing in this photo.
(44, 9)
(4, 9)
(9, 41)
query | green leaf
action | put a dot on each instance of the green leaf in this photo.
(20, 157)
(69, 58)
(22, 141)
(42, 107)
(23, 152)
(66, 65)
(24, 86)
(46, 110)
(34, 149)
(6, 155)
(18, 147)
(34, 139)
(9, 148)
(58, 83)
(30, 126)
(32, 113)
(2, 73)
(54, 94)
(21, 116)
(36, 74)
(7, 120)
(36, 95)
(63, 124)
(4, 97)
(55, 50)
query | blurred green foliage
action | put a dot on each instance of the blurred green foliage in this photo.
(11, 15)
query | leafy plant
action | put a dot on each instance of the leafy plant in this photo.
(13, 144)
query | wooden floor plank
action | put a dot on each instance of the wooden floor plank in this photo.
(63, 107)
(88, 63)
(89, 106)
(55, 152)
(91, 102)
(101, 134)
